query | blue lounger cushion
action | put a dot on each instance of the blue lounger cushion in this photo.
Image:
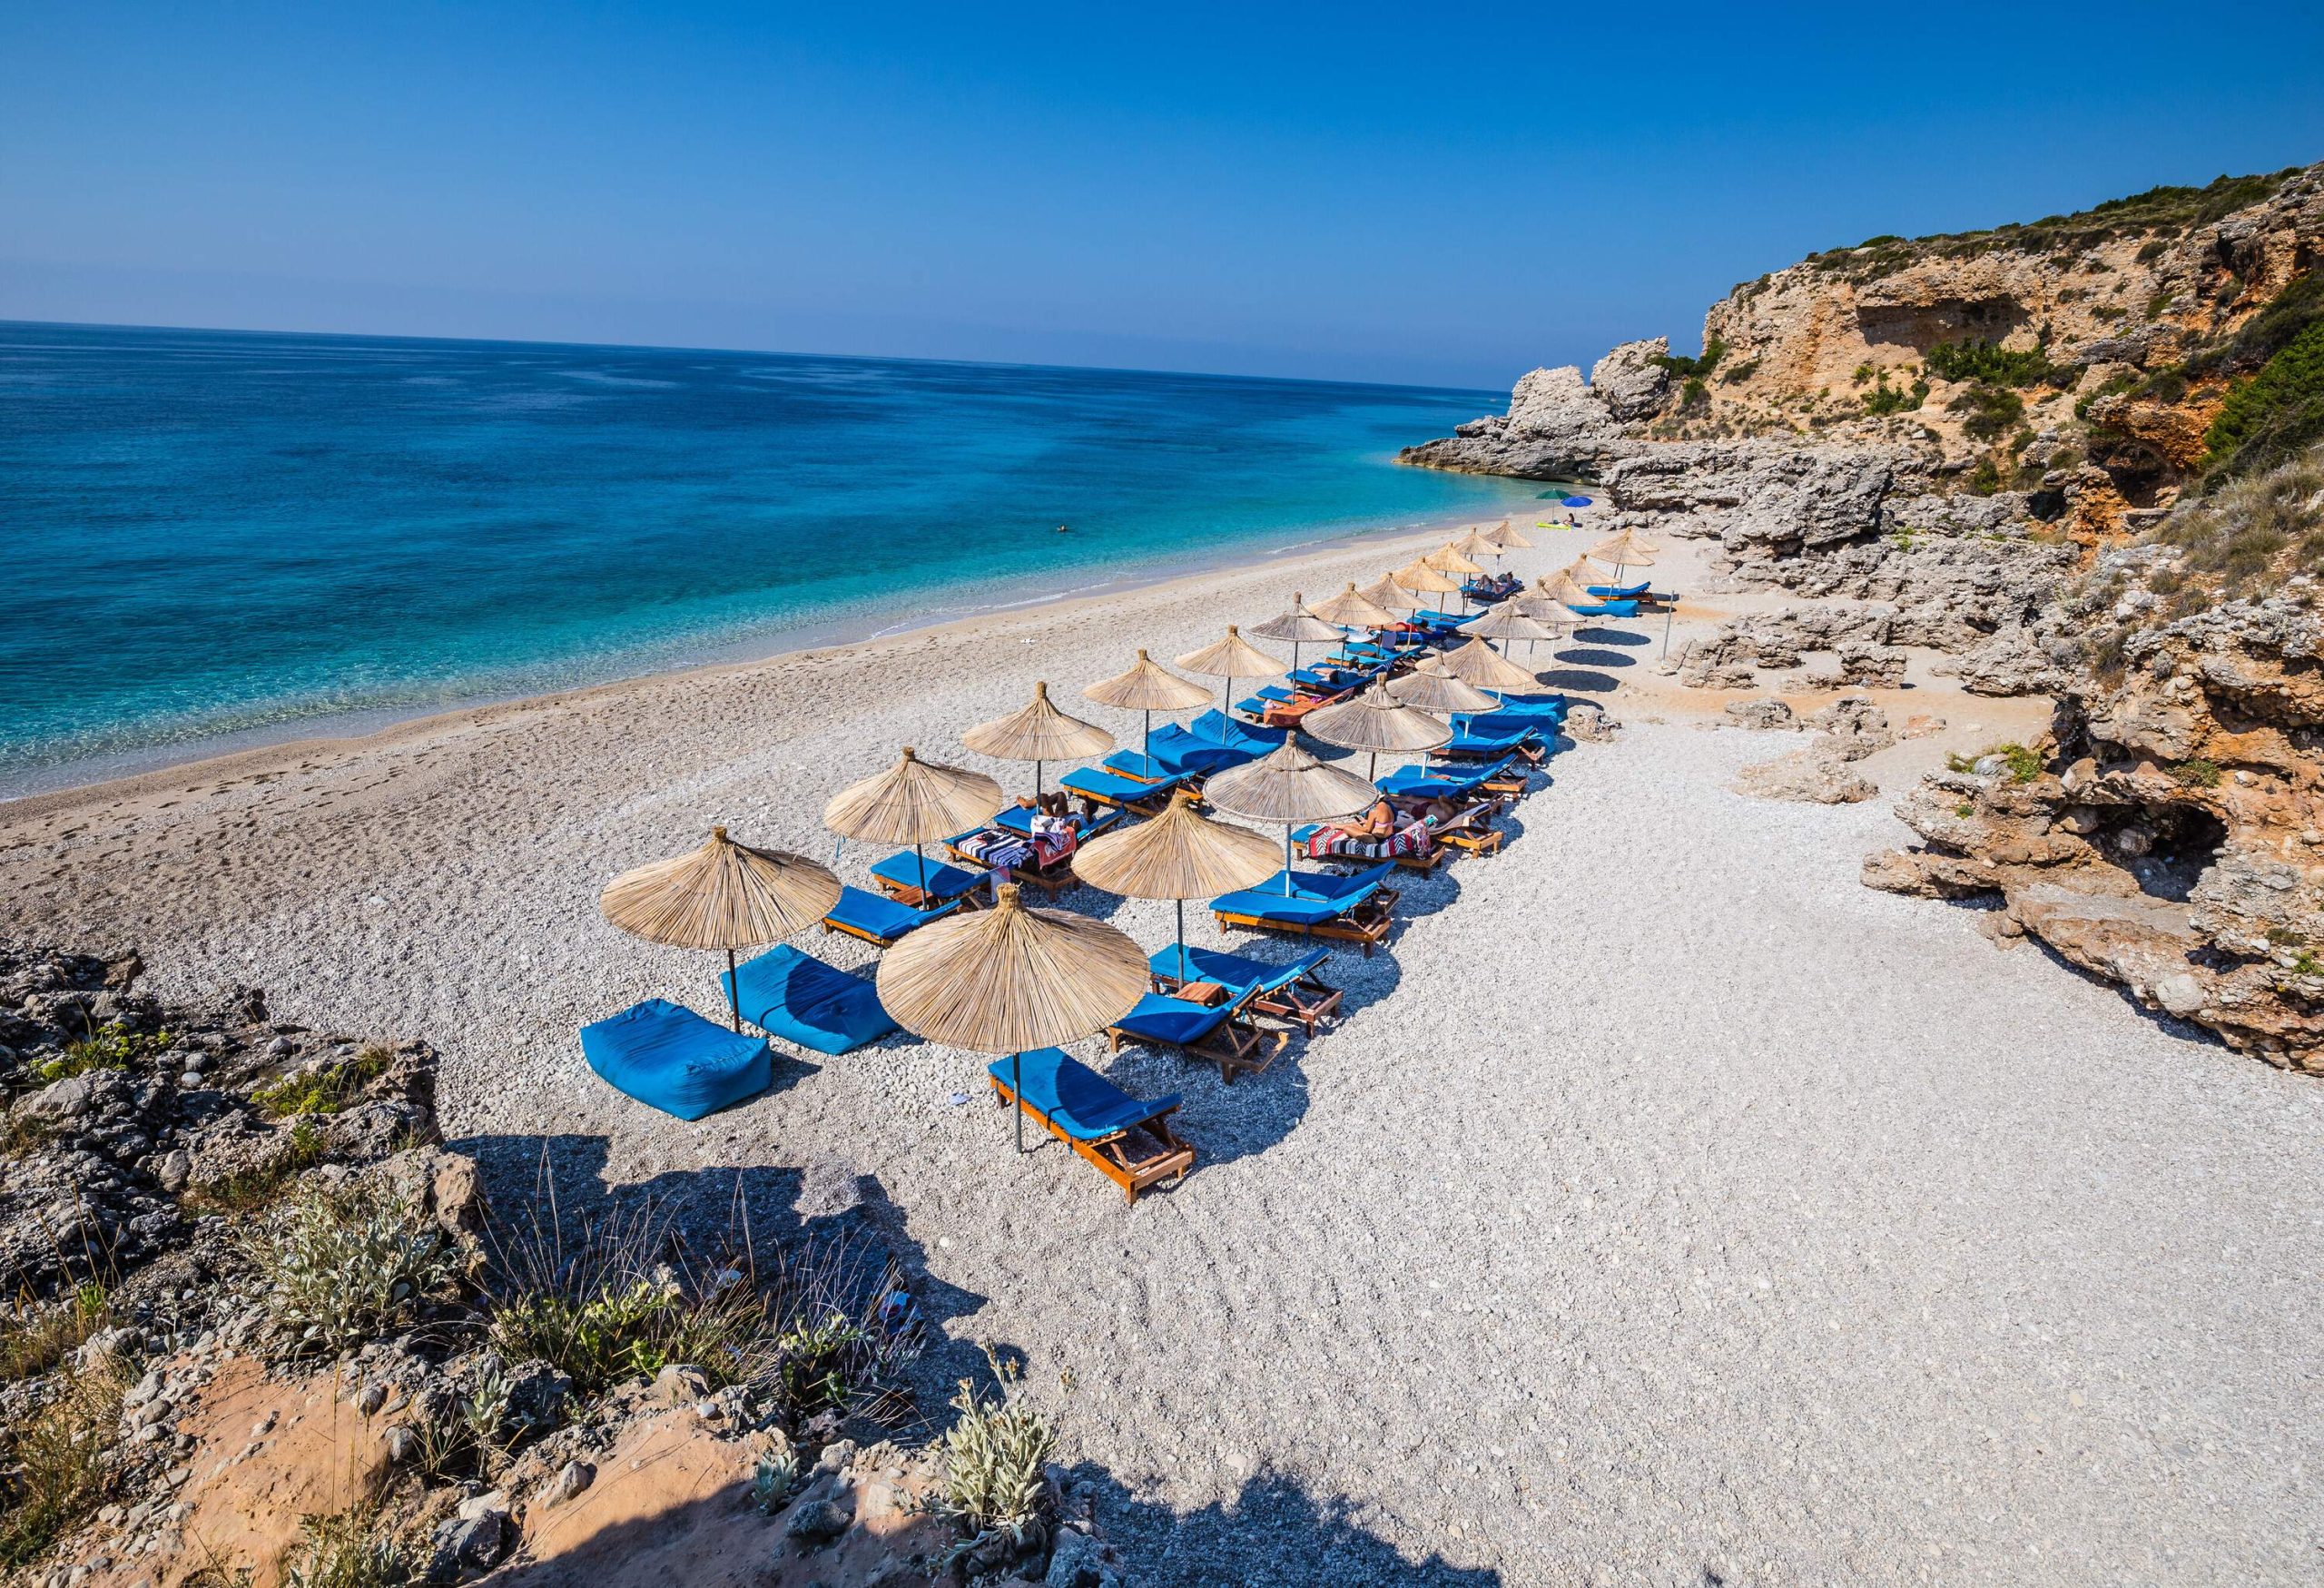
(1605, 609)
(1620, 592)
(1084, 1103)
(1247, 742)
(1313, 897)
(881, 918)
(800, 998)
(1106, 786)
(1413, 782)
(1239, 974)
(1468, 742)
(1174, 1020)
(943, 882)
(671, 1059)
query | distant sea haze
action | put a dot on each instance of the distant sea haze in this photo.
(220, 536)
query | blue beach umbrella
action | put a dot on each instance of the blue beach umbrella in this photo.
(1574, 502)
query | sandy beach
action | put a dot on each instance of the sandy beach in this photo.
(1669, 1208)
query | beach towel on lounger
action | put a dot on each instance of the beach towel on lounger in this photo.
(671, 1059)
(799, 999)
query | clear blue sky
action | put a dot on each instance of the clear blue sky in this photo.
(1422, 194)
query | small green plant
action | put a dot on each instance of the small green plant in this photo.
(110, 1047)
(343, 1265)
(2019, 763)
(1884, 398)
(2304, 963)
(773, 1478)
(1991, 411)
(327, 1089)
(354, 1549)
(992, 1454)
(34, 1340)
(53, 1470)
(2197, 773)
(2159, 305)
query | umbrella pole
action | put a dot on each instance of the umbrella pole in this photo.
(1017, 1086)
(1372, 768)
(1182, 939)
(1146, 748)
(1287, 860)
(1036, 779)
(921, 861)
(1666, 632)
(734, 992)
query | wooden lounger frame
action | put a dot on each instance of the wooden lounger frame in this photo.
(1235, 1045)
(1110, 1154)
(1367, 924)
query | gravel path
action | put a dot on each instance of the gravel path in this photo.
(1670, 1208)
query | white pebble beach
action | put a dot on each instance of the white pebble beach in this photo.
(1668, 1207)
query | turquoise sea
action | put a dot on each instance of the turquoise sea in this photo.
(217, 536)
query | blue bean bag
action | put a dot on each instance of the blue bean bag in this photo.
(798, 998)
(675, 1060)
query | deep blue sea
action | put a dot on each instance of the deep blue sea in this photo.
(213, 537)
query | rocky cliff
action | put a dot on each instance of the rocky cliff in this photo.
(2078, 457)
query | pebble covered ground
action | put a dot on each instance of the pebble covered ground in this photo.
(1668, 1208)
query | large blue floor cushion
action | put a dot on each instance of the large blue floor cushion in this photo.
(675, 1060)
(798, 998)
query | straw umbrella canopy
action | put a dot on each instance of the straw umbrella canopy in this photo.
(1179, 855)
(1038, 733)
(1448, 558)
(1479, 664)
(1148, 688)
(1507, 538)
(1231, 658)
(1298, 627)
(1010, 978)
(1627, 550)
(1432, 689)
(1351, 608)
(1505, 623)
(913, 801)
(1476, 544)
(1288, 786)
(1373, 720)
(1422, 576)
(721, 895)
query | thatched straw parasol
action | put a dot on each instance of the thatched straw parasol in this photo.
(1432, 689)
(1384, 592)
(722, 895)
(1288, 786)
(1148, 688)
(1421, 576)
(913, 801)
(1298, 627)
(1231, 658)
(1506, 623)
(1351, 608)
(1507, 538)
(1479, 664)
(1038, 733)
(1375, 720)
(1447, 559)
(1475, 544)
(1627, 550)
(1179, 855)
(1008, 979)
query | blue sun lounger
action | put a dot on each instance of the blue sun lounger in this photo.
(669, 1058)
(877, 920)
(1130, 1143)
(1347, 909)
(934, 881)
(1215, 1031)
(1127, 794)
(797, 997)
(1470, 743)
(1533, 711)
(1245, 742)
(1291, 991)
(1620, 592)
(1605, 609)
(1440, 782)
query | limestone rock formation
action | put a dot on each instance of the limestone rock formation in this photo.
(1557, 428)
(1633, 381)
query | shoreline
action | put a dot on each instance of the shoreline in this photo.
(239, 753)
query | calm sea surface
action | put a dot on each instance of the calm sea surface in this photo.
(213, 537)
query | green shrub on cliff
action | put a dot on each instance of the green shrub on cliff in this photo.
(1693, 368)
(2275, 413)
(1992, 364)
(1990, 410)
